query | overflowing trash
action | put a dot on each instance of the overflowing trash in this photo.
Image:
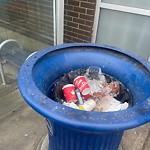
(91, 90)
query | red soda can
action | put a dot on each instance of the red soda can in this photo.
(81, 84)
(69, 93)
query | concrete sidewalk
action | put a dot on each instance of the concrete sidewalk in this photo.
(21, 128)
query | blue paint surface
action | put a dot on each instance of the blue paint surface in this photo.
(43, 68)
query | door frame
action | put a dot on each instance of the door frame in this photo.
(101, 5)
(58, 19)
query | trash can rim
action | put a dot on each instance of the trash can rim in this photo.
(95, 121)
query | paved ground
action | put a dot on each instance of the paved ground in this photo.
(21, 128)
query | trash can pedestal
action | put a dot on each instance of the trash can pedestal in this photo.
(63, 138)
(71, 129)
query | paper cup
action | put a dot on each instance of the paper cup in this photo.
(81, 84)
(69, 93)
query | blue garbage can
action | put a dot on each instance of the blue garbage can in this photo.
(71, 129)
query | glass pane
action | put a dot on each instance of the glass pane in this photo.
(30, 22)
(124, 30)
(145, 4)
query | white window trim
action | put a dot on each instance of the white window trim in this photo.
(126, 9)
(54, 20)
(58, 10)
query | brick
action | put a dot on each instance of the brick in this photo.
(65, 32)
(72, 14)
(68, 18)
(79, 24)
(68, 7)
(68, 37)
(67, 41)
(86, 28)
(79, 31)
(79, 9)
(65, 12)
(87, 41)
(73, 2)
(90, 11)
(72, 24)
(71, 33)
(92, 1)
(78, 20)
(67, 28)
(87, 5)
(86, 17)
(85, 0)
(78, 40)
(85, 38)
(65, 22)
(89, 23)
(66, 1)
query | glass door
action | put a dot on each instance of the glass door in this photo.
(124, 24)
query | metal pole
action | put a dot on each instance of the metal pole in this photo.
(2, 74)
(59, 21)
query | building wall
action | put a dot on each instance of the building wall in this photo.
(30, 44)
(30, 22)
(78, 20)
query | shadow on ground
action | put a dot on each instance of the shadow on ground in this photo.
(21, 128)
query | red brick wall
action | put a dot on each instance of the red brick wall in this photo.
(78, 20)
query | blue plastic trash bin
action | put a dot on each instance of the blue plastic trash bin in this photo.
(71, 129)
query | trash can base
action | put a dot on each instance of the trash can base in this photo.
(65, 138)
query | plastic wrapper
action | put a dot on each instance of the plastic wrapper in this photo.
(108, 103)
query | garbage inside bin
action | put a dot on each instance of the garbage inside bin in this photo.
(91, 90)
